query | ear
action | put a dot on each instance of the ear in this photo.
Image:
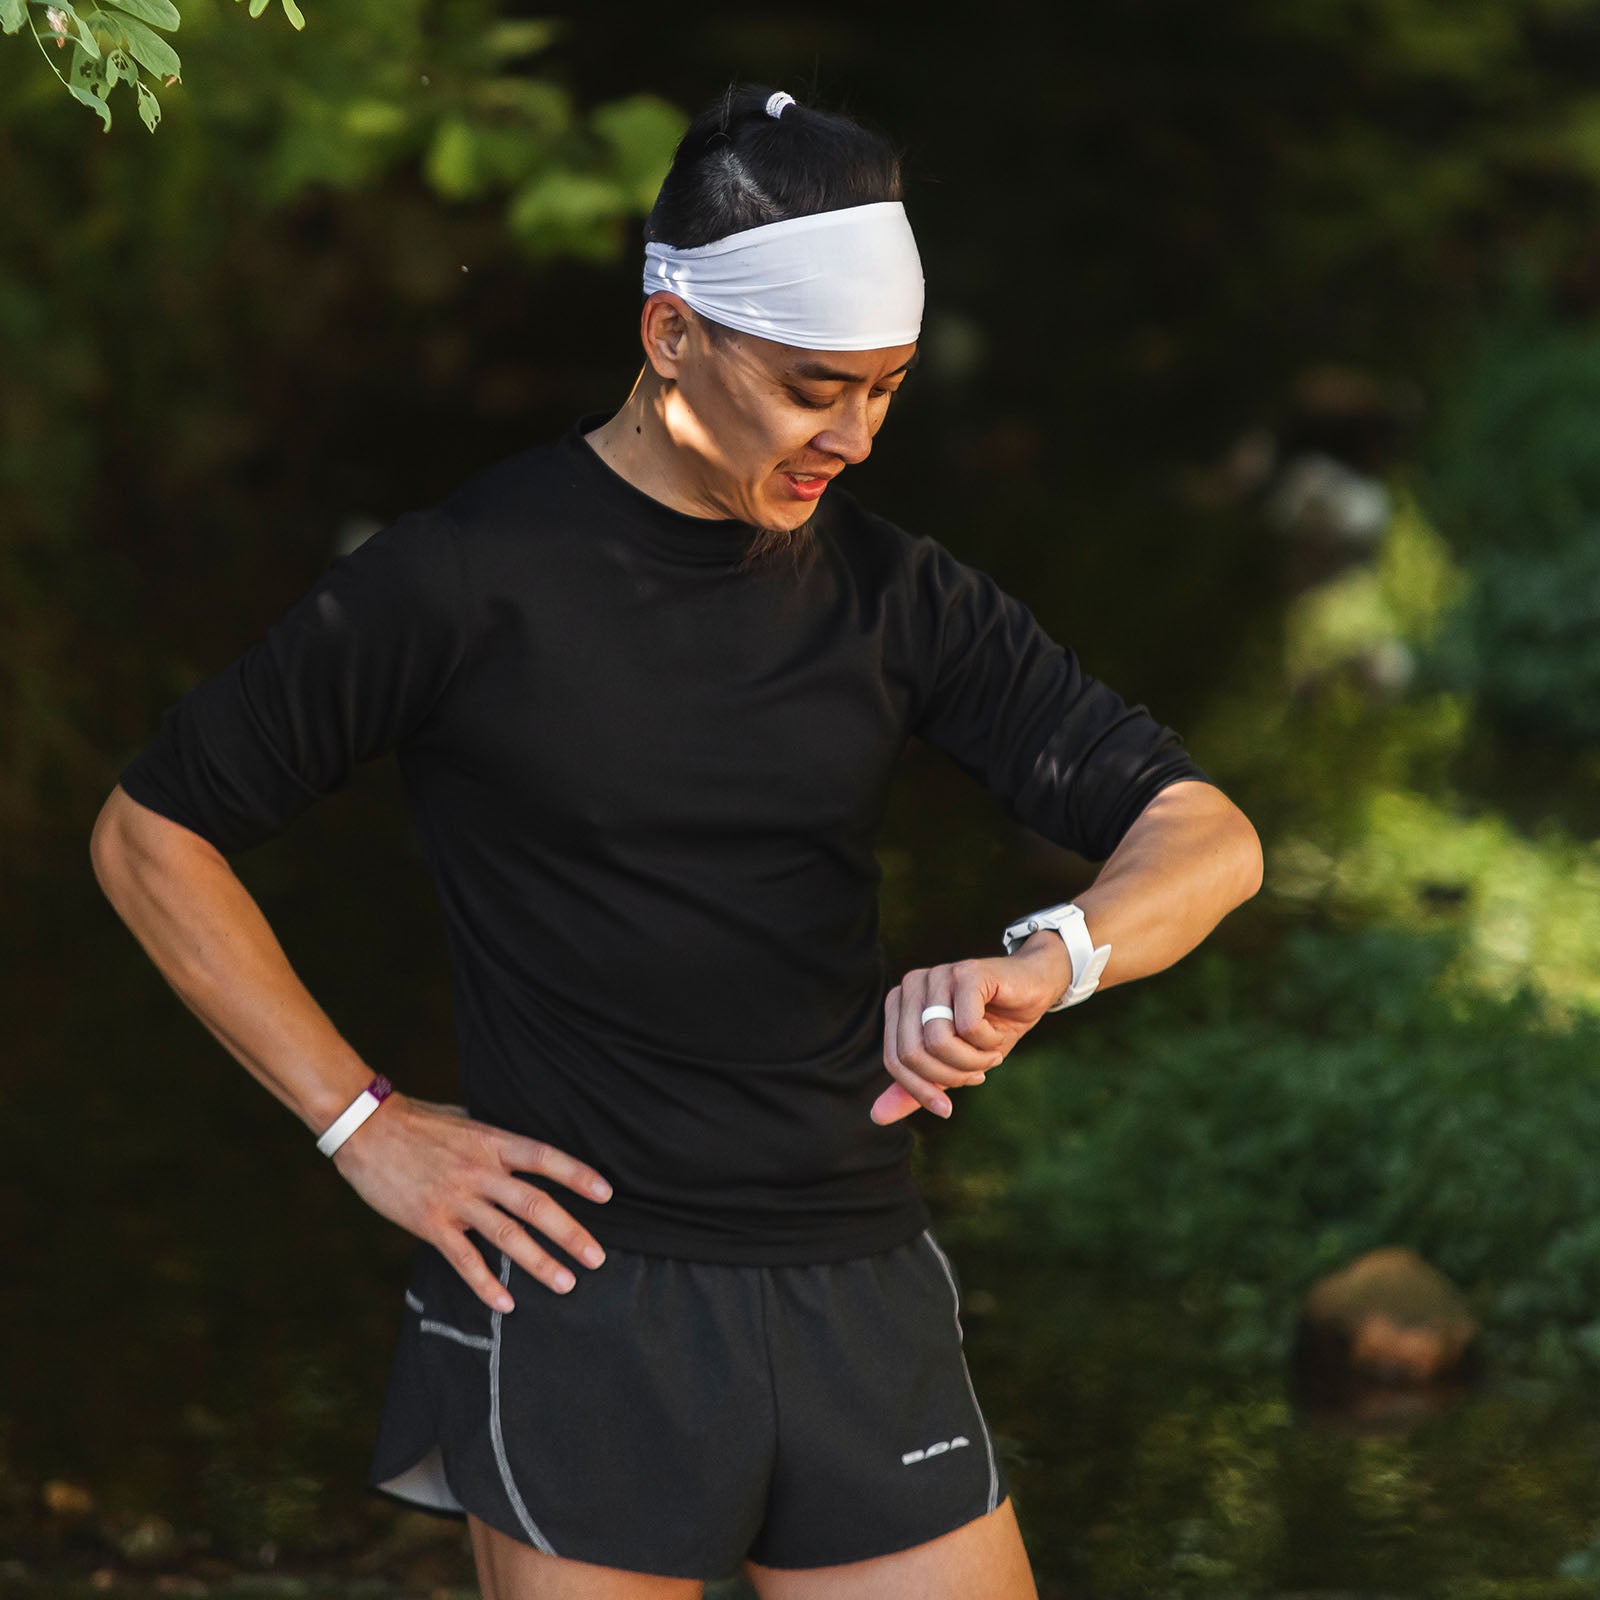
(664, 331)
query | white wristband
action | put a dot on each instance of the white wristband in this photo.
(354, 1115)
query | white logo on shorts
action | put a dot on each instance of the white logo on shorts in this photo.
(934, 1449)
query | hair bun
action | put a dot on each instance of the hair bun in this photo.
(776, 103)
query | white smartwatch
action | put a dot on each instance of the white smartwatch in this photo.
(1088, 960)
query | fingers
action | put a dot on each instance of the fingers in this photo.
(936, 1049)
(893, 1104)
(506, 1233)
(525, 1204)
(921, 1090)
(947, 1051)
(942, 1053)
(530, 1205)
(534, 1155)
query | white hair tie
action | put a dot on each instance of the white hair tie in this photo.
(776, 103)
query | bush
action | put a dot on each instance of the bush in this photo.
(1246, 1130)
(1514, 483)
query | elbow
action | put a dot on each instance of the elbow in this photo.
(106, 838)
(131, 846)
(1251, 861)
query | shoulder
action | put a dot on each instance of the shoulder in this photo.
(896, 555)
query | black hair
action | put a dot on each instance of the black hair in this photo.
(736, 167)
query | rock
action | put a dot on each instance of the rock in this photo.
(149, 1540)
(63, 1499)
(1387, 1318)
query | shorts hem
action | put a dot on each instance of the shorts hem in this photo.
(415, 1505)
(892, 1550)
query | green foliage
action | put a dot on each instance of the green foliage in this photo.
(1246, 1129)
(110, 43)
(1514, 481)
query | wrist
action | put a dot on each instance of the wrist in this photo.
(1084, 959)
(355, 1116)
(1046, 950)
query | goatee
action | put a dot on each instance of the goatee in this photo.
(771, 547)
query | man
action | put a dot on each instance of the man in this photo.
(647, 686)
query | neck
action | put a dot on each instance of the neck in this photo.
(636, 445)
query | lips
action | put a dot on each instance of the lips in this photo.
(806, 488)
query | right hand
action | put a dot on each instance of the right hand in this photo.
(437, 1172)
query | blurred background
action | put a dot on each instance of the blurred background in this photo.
(1262, 360)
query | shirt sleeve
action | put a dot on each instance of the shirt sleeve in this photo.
(1063, 752)
(350, 671)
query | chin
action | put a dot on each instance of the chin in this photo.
(769, 545)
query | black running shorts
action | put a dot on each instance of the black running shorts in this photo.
(673, 1417)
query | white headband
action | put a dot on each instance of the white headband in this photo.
(838, 280)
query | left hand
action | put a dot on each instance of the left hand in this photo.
(996, 1000)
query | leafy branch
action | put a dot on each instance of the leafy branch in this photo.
(111, 42)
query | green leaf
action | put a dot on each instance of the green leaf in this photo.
(569, 211)
(149, 106)
(158, 13)
(372, 118)
(451, 165)
(149, 49)
(297, 18)
(642, 131)
(12, 15)
(88, 72)
(84, 37)
(92, 100)
(119, 69)
(257, 7)
(521, 38)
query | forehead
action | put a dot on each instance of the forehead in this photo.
(846, 366)
(792, 363)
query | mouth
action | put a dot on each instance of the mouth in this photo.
(807, 485)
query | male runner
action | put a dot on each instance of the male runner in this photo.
(647, 685)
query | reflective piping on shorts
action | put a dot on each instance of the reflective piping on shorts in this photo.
(476, 1341)
(988, 1443)
(528, 1525)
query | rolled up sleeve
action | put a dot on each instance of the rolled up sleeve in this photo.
(1063, 752)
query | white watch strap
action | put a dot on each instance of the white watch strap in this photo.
(1088, 962)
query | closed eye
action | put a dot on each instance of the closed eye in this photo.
(826, 405)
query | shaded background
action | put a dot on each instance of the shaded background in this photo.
(1260, 360)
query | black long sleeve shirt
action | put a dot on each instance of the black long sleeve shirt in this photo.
(649, 786)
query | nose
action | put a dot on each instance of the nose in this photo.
(848, 435)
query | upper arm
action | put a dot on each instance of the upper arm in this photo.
(1064, 753)
(354, 668)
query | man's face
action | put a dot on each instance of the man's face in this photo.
(767, 426)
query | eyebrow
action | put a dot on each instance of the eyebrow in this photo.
(825, 374)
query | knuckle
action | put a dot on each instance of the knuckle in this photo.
(503, 1232)
(466, 1261)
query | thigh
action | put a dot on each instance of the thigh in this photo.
(981, 1560)
(510, 1570)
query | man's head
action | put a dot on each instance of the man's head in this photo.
(781, 370)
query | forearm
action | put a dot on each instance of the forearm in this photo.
(1190, 857)
(207, 936)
